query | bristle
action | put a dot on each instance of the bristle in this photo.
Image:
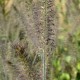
(51, 25)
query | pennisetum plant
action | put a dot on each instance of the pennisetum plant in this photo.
(39, 23)
(51, 27)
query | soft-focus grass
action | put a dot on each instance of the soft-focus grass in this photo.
(67, 62)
